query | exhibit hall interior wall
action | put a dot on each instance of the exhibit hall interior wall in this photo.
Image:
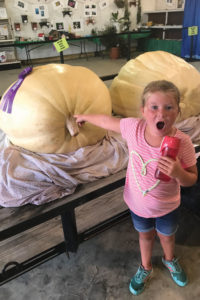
(35, 19)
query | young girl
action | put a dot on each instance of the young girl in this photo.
(153, 203)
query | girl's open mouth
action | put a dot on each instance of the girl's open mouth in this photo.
(160, 125)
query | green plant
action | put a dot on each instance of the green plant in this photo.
(123, 21)
(114, 17)
(94, 31)
(109, 37)
(126, 19)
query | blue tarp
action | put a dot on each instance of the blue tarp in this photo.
(191, 44)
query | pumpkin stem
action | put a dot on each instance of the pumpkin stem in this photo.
(72, 126)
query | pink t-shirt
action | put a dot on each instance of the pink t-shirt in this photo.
(143, 193)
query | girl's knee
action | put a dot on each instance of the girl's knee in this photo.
(147, 235)
(166, 238)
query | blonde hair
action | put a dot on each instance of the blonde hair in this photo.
(161, 86)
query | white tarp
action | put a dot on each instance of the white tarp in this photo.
(28, 177)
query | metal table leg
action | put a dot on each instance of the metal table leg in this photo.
(70, 231)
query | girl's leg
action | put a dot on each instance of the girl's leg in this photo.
(146, 241)
(168, 245)
(172, 264)
(137, 284)
(145, 227)
(166, 227)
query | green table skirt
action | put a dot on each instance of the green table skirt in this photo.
(171, 46)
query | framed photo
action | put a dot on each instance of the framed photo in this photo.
(57, 4)
(77, 25)
(59, 26)
(72, 3)
(21, 5)
(90, 10)
(169, 2)
(40, 11)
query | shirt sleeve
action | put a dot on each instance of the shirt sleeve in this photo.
(187, 153)
(122, 128)
(128, 125)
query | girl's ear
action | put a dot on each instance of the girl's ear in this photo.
(142, 110)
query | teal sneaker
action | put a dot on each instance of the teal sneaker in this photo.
(138, 281)
(177, 273)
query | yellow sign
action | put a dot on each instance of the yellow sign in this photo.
(61, 45)
(193, 30)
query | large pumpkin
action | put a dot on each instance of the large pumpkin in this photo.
(127, 87)
(43, 104)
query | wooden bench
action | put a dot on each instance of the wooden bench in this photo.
(30, 235)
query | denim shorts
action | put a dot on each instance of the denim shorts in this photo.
(166, 225)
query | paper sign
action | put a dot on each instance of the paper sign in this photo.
(3, 14)
(4, 30)
(61, 45)
(193, 30)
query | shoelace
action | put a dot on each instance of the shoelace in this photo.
(141, 275)
(174, 265)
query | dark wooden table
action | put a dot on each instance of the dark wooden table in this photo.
(32, 45)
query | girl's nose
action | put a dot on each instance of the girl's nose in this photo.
(161, 112)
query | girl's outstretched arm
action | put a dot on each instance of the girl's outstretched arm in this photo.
(103, 121)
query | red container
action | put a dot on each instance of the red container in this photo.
(169, 147)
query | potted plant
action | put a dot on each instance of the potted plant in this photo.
(110, 40)
(122, 23)
(117, 21)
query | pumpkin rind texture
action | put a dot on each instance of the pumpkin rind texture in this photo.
(47, 97)
(126, 89)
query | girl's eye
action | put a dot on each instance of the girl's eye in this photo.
(154, 107)
(169, 107)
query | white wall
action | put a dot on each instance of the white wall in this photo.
(55, 15)
(153, 5)
(148, 5)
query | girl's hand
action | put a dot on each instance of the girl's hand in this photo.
(80, 120)
(173, 168)
(170, 167)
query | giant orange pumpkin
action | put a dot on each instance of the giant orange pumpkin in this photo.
(127, 87)
(44, 103)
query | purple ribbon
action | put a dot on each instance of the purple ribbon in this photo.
(7, 101)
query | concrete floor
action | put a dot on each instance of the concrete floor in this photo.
(101, 66)
(103, 266)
